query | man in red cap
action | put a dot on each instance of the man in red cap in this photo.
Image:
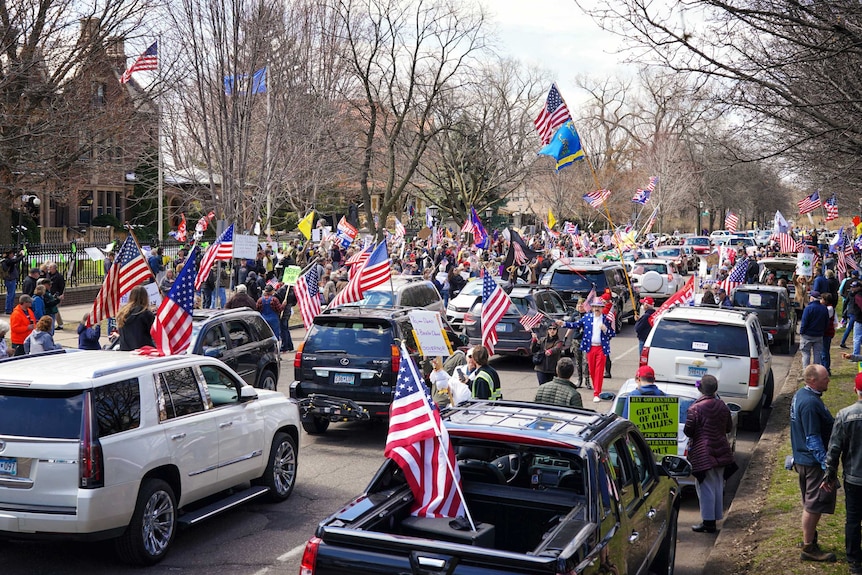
(642, 325)
(645, 378)
(846, 444)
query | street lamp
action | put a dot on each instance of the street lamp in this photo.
(30, 203)
(699, 214)
(432, 211)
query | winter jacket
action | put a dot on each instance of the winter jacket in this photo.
(39, 341)
(846, 444)
(135, 332)
(707, 424)
(642, 325)
(559, 391)
(814, 319)
(549, 361)
(88, 337)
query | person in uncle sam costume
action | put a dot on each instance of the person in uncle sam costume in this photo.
(596, 342)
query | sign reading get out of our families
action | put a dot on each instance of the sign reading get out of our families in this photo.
(658, 419)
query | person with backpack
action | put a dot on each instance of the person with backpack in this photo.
(10, 271)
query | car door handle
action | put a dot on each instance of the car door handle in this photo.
(178, 436)
(634, 537)
(651, 513)
(225, 424)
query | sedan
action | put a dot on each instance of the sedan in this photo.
(512, 337)
(679, 255)
(700, 244)
(687, 395)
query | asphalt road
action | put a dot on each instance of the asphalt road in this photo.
(268, 539)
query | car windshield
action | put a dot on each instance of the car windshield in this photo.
(578, 281)
(644, 268)
(668, 252)
(697, 241)
(472, 288)
(758, 300)
(706, 337)
(350, 335)
(521, 306)
(30, 413)
(381, 298)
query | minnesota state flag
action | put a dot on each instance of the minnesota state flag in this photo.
(565, 146)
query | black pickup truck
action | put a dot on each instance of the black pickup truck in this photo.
(550, 490)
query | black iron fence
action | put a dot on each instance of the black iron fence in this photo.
(73, 260)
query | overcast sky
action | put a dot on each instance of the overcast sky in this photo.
(555, 35)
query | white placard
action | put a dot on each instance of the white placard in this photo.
(805, 264)
(428, 329)
(245, 246)
(700, 345)
(95, 253)
(155, 296)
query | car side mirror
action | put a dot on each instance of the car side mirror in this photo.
(465, 339)
(247, 393)
(215, 352)
(675, 466)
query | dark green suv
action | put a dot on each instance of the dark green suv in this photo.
(347, 366)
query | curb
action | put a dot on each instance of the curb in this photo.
(731, 554)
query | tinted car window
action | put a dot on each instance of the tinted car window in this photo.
(758, 300)
(380, 298)
(579, 281)
(41, 414)
(259, 324)
(333, 336)
(222, 387)
(410, 297)
(700, 337)
(118, 407)
(238, 333)
(180, 392)
(644, 268)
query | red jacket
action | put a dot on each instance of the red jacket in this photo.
(21, 324)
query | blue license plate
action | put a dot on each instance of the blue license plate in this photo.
(503, 327)
(696, 371)
(344, 378)
(9, 466)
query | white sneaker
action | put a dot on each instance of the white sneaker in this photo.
(596, 399)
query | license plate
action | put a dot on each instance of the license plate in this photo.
(502, 327)
(9, 466)
(696, 371)
(344, 378)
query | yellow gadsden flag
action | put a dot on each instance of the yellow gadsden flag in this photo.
(305, 224)
(551, 219)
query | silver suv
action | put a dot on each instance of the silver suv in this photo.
(111, 445)
(687, 343)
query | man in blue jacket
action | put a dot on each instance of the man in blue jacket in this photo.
(810, 429)
(811, 329)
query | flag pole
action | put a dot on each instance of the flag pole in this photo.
(146, 261)
(161, 185)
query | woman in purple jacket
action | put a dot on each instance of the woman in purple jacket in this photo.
(707, 424)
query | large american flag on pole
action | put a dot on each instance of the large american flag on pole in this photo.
(495, 303)
(373, 273)
(308, 296)
(149, 60)
(129, 269)
(172, 328)
(554, 114)
(736, 277)
(786, 243)
(222, 250)
(730, 221)
(597, 198)
(831, 209)
(809, 204)
(419, 443)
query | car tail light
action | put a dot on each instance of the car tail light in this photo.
(782, 311)
(469, 319)
(91, 468)
(297, 359)
(644, 356)
(754, 373)
(396, 358)
(309, 557)
(670, 278)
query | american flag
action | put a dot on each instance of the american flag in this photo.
(850, 259)
(736, 277)
(495, 303)
(809, 204)
(359, 258)
(570, 228)
(400, 230)
(373, 273)
(553, 115)
(172, 328)
(597, 198)
(643, 196)
(419, 443)
(730, 221)
(149, 60)
(531, 321)
(588, 301)
(651, 221)
(129, 269)
(786, 243)
(307, 293)
(467, 228)
(831, 209)
(222, 250)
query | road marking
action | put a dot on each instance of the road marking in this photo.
(262, 571)
(292, 553)
(625, 353)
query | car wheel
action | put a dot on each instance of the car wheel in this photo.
(280, 473)
(664, 561)
(785, 345)
(756, 420)
(316, 426)
(267, 380)
(153, 525)
(768, 390)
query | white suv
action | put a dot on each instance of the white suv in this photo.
(687, 343)
(104, 444)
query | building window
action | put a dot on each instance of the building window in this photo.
(99, 96)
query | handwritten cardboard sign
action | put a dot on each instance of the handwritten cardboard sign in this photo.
(658, 419)
(245, 246)
(291, 274)
(428, 330)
